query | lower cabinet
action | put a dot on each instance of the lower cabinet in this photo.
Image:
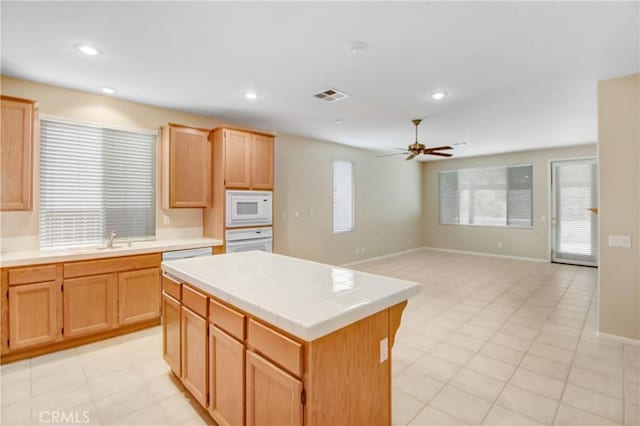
(226, 378)
(273, 396)
(90, 304)
(35, 314)
(194, 354)
(171, 344)
(138, 295)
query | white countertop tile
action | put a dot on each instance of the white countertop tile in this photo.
(35, 257)
(304, 298)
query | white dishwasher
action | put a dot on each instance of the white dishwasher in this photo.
(185, 254)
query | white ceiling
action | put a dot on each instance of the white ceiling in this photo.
(519, 75)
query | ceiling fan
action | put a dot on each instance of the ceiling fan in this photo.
(417, 148)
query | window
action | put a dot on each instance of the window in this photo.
(94, 180)
(342, 196)
(496, 197)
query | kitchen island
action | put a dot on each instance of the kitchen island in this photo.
(264, 339)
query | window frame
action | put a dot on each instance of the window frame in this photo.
(353, 195)
(115, 127)
(483, 225)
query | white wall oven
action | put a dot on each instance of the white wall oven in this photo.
(249, 208)
(247, 239)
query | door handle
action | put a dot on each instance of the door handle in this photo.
(593, 210)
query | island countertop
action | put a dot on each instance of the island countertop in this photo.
(304, 298)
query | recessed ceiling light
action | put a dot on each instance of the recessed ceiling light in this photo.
(339, 121)
(356, 47)
(108, 90)
(87, 49)
(462, 144)
(251, 95)
(438, 95)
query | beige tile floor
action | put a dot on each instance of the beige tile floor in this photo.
(488, 341)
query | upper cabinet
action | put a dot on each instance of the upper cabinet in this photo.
(19, 128)
(186, 167)
(247, 159)
(262, 162)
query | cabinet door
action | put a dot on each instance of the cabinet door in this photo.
(273, 397)
(138, 295)
(237, 164)
(194, 355)
(16, 145)
(90, 304)
(171, 345)
(262, 162)
(226, 378)
(34, 314)
(190, 166)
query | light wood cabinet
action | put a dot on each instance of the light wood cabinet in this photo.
(19, 126)
(90, 305)
(34, 314)
(194, 354)
(247, 159)
(138, 295)
(273, 397)
(171, 344)
(262, 162)
(226, 378)
(237, 159)
(186, 167)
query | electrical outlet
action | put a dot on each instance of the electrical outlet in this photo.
(166, 219)
(311, 213)
(409, 242)
(499, 245)
(357, 251)
(362, 250)
(621, 241)
(284, 215)
(297, 214)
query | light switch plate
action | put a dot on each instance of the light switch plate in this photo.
(384, 349)
(621, 241)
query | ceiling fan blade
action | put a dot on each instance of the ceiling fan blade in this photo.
(439, 148)
(410, 157)
(390, 155)
(441, 154)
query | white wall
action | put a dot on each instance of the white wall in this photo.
(532, 243)
(388, 202)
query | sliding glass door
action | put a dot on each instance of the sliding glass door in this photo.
(574, 208)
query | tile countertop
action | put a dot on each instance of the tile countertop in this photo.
(307, 299)
(36, 257)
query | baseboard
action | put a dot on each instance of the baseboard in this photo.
(620, 339)
(477, 253)
(369, 259)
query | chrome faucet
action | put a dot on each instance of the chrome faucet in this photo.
(110, 238)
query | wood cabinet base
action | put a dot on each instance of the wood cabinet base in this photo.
(18, 355)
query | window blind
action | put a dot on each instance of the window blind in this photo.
(575, 194)
(343, 195)
(500, 196)
(94, 180)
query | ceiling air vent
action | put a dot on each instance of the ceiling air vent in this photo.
(331, 95)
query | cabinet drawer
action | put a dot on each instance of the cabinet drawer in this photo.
(107, 266)
(227, 319)
(194, 300)
(32, 274)
(275, 346)
(171, 287)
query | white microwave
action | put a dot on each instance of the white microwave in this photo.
(249, 208)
